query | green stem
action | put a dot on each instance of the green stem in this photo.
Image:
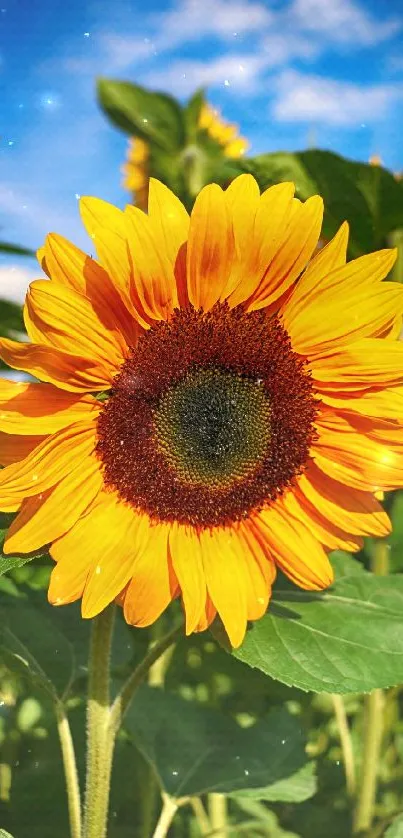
(345, 741)
(217, 807)
(373, 725)
(124, 698)
(168, 812)
(364, 813)
(70, 770)
(99, 743)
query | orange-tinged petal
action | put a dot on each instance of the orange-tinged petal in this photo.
(225, 566)
(69, 372)
(169, 219)
(187, 561)
(292, 254)
(294, 548)
(267, 231)
(354, 305)
(153, 584)
(68, 578)
(261, 571)
(322, 269)
(152, 271)
(14, 448)
(387, 402)
(41, 409)
(58, 316)
(44, 518)
(210, 249)
(328, 533)
(118, 537)
(72, 267)
(55, 458)
(350, 456)
(209, 614)
(365, 363)
(106, 225)
(356, 512)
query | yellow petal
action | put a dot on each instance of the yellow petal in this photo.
(267, 230)
(55, 458)
(227, 579)
(187, 561)
(106, 225)
(360, 365)
(45, 518)
(210, 249)
(41, 409)
(69, 266)
(354, 511)
(58, 316)
(351, 304)
(152, 271)
(292, 254)
(153, 584)
(14, 448)
(294, 548)
(69, 372)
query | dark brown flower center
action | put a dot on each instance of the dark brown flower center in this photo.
(210, 418)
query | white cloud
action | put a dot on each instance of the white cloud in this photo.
(341, 21)
(310, 98)
(192, 19)
(183, 77)
(14, 281)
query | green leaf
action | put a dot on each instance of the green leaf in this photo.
(347, 639)
(192, 114)
(8, 563)
(154, 117)
(6, 247)
(11, 319)
(32, 644)
(294, 789)
(194, 749)
(395, 830)
(4, 834)
(368, 197)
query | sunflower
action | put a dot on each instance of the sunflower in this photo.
(217, 402)
(136, 170)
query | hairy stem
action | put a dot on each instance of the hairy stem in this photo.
(70, 770)
(99, 743)
(345, 741)
(373, 725)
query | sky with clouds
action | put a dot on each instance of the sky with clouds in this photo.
(292, 73)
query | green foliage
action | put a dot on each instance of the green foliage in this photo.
(347, 639)
(15, 249)
(395, 830)
(155, 117)
(194, 750)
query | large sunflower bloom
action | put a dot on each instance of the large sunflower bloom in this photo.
(216, 403)
(136, 169)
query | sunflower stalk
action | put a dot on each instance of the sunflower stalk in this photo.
(99, 742)
(70, 770)
(373, 726)
(104, 718)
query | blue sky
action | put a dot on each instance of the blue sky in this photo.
(292, 73)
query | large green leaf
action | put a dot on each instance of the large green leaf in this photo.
(299, 786)
(10, 317)
(395, 830)
(194, 749)
(347, 639)
(17, 250)
(155, 117)
(368, 197)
